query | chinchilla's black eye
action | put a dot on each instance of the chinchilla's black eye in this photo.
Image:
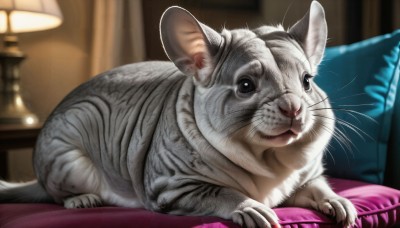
(306, 82)
(246, 86)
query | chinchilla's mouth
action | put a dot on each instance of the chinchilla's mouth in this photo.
(286, 134)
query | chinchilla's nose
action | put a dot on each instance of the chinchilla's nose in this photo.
(290, 105)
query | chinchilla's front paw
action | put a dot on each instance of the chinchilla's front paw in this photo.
(251, 213)
(339, 207)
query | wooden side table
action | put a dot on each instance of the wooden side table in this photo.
(15, 137)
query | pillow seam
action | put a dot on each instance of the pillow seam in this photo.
(359, 217)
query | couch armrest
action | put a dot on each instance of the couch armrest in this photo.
(392, 173)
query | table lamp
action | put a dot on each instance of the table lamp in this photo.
(18, 16)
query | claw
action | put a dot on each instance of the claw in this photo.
(341, 208)
(255, 214)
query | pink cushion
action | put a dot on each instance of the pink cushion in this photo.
(378, 206)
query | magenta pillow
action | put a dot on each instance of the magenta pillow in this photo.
(377, 206)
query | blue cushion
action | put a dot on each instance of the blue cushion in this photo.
(361, 77)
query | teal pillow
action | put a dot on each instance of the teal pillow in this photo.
(361, 77)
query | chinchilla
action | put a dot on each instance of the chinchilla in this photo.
(232, 127)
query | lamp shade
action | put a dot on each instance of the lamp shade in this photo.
(29, 15)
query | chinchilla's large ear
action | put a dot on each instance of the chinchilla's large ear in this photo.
(189, 43)
(311, 32)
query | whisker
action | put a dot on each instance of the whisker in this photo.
(348, 125)
(252, 131)
(346, 97)
(332, 100)
(318, 102)
(344, 143)
(332, 95)
(350, 111)
(356, 105)
(343, 87)
(241, 110)
(331, 155)
(330, 131)
(349, 144)
(287, 10)
(244, 123)
(340, 137)
(354, 117)
(351, 126)
(345, 140)
(329, 152)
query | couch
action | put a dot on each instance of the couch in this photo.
(361, 80)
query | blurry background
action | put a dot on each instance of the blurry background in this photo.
(97, 35)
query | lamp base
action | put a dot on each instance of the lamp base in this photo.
(14, 111)
(12, 107)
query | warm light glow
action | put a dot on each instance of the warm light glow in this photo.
(27, 21)
(18, 101)
(29, 15)
(30, 120)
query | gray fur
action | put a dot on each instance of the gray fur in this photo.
(183, 138)
(24, 192)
